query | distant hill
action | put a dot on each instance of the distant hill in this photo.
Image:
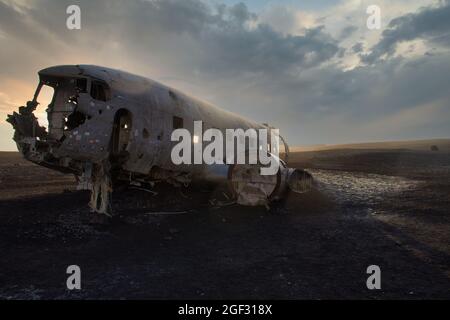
(416, 145)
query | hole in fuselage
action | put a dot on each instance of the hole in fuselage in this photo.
(74, 120)
(45, 99)
(121, 131)
(145, 133)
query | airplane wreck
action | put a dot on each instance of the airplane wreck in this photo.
(109, 128)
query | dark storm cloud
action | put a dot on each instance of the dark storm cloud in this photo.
(358, 47)
(361, 102)
(265, 51)
(225, 42)
(348, 31)
(431, 24)
(224, 54)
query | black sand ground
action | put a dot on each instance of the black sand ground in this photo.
(388, 208)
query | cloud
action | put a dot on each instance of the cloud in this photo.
(191, 32)
(358, 47)
(348, 31)
(274, 67)
(429, 23)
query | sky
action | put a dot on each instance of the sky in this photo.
(313, 69)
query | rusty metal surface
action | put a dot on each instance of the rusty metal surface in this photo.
(120, 125)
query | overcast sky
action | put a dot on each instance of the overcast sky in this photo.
(311, 68)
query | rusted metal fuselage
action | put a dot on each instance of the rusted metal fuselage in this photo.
(108, 126)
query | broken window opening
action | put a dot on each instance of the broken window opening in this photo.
(74, 120)
(99, 91)
(177, 122)
(145, 133)
(82, 85)
(45, 99)
(121, 132)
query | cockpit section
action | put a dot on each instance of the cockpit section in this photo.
(65, 112)
(72, 101)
